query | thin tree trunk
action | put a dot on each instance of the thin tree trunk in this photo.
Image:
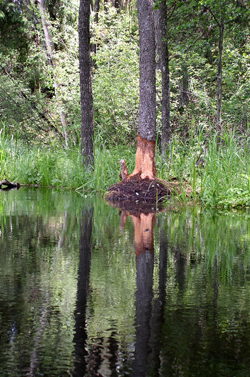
(162, 49)
(96, 18)
(145, 155)
(96, 9)
(219, 80)
(87, 123)
(51, 51)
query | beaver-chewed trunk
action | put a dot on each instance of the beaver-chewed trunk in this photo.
(145, 159)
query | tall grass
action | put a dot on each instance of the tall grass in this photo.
(60, 168)
(218, 177)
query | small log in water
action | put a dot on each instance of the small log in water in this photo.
(6, 184)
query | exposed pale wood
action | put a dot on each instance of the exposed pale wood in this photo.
(124, 170)
(145, 159)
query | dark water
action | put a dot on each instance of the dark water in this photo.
(88, 290)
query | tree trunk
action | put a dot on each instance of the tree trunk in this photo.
(183, 99)
(96, 19)
(50, 51)
(96, 9)
(219, 79)
(145, 155)
(162, 49)
(87, 123)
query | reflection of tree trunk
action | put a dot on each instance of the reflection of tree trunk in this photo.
(181, 262)
(215, 290)
(144, 294)
(51, 51)
(157, 318)
(82, 291)
(144, 245)
(144, 232)
(62, 235)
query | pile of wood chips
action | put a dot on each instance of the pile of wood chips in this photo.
(137, 190)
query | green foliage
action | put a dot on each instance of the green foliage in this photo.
(116, 77)
(13, 33)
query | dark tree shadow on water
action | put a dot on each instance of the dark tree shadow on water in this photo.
(149, 309)
(80, 335)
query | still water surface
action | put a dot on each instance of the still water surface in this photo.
(88, 290)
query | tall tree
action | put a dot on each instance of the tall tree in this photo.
(87, 122)
(162, 49)
(145, 154)
(50, 47)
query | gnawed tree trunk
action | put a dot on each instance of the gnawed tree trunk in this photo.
(51, 51)
(162, 49)
(87, 122)
(145, 155)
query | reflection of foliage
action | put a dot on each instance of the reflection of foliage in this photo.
(38, 269)
(111, 311)
(205, 309)
(207, 299)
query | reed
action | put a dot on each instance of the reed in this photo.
(219, 177)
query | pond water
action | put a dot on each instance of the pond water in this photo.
(89, 290)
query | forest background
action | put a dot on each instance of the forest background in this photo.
(40, 111)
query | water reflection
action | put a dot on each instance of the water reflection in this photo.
(80, 335)
(91, 290)
(149, 312)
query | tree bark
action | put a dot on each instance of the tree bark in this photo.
(219, 80)
(51, 51)
(87, 122)
(145, 155)
(162, 49)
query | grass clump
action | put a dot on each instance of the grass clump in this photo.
(219, 177)
(216, 177)
(60, 168)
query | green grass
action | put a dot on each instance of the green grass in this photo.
(61, 168)
(222, 180)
